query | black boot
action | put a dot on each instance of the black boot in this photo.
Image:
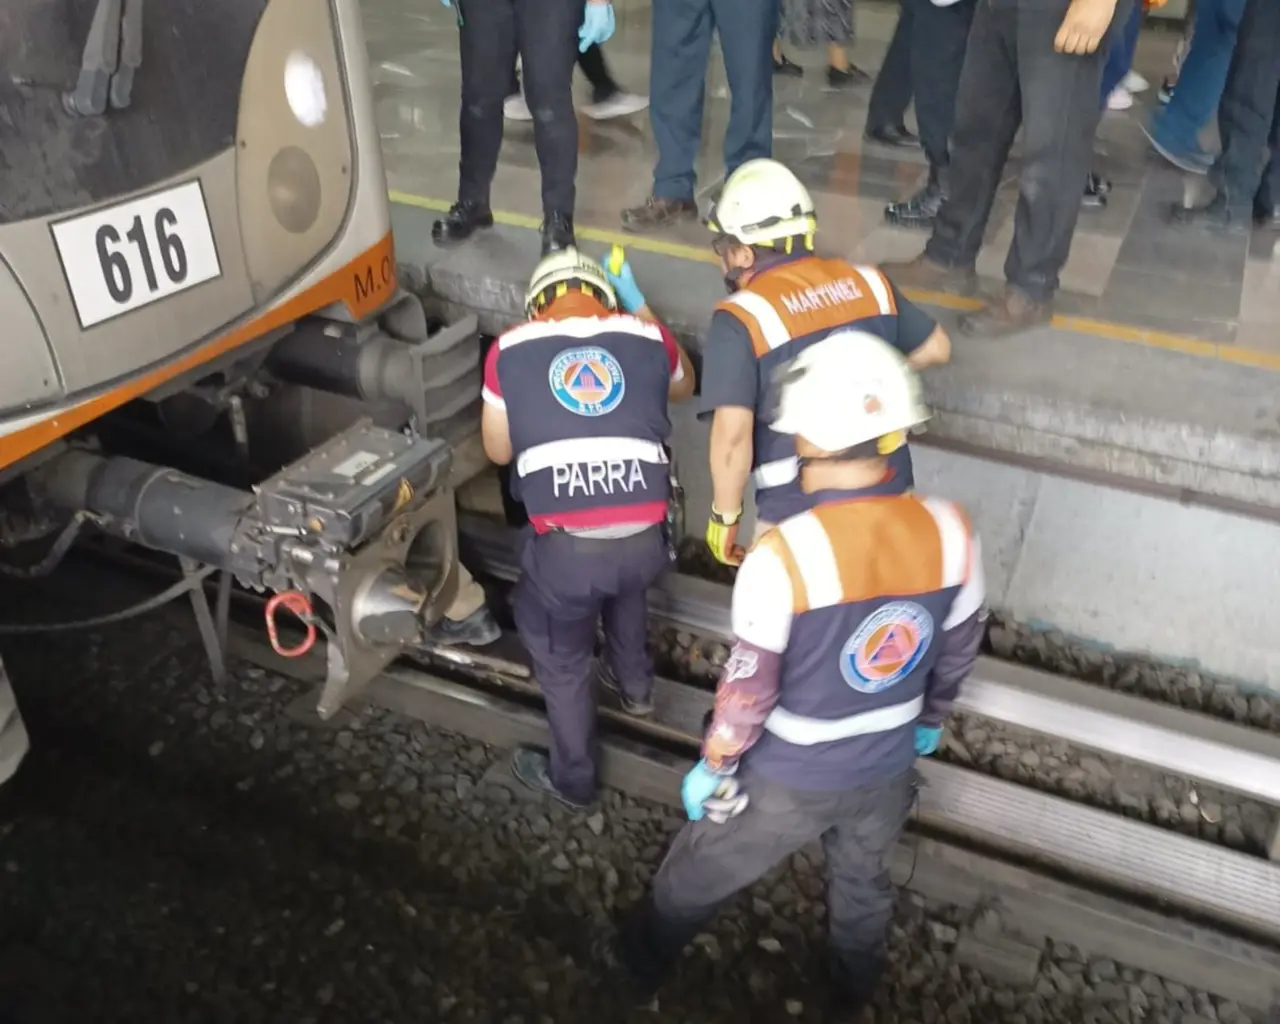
(557, 232)
(920, 210)
(464, 219)
(479, 629)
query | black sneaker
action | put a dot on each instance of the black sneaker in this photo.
(639, 708)
(557, 232)
(895, 135)
(1165, 93)
(1215, 216)
(532, 768)
(479, 629)
(787, 68)
(842, 78)
(462, 221)
(918, 211)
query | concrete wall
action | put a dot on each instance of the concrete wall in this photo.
(1124, 571)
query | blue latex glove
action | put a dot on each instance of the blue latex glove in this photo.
(625, 288)
(447, 3)
(698, 787)
(927, 739)
(597, 24)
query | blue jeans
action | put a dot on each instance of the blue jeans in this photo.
(1120, 54)
(677, 84)
(1202, 77)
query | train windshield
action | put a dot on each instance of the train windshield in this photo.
(57, 151)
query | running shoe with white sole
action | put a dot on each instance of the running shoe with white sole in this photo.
(620, 104)
(514, 108)
(1134, 82)
(1120, 99)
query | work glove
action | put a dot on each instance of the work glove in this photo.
(722, 536)
(597, 24)
(447, 3)
(927, 739)
(623, 282)
(705, 792)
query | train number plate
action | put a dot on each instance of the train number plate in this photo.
(136, 253)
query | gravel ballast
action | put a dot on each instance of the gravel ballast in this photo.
(175, 851)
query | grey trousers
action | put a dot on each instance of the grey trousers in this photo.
(708, 863)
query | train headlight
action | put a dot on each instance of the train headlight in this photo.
(304, 89)
(293, 189)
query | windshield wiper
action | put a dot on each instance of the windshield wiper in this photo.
(112, 55)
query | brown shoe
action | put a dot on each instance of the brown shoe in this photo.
(924, 274)
(1009, 314)
(657, 212)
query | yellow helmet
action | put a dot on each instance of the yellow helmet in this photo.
(761, 203)
(560, 270)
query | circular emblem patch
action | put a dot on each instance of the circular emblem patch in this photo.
(886, 647)
(587, 381)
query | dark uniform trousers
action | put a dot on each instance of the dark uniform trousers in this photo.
(924, 60)
(1249, 115)
(678, 78)
(710, 862)
(545, 34)
(567, 584)
(1013, 77)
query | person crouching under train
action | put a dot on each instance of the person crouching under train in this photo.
(784, 298)
(577, 398)
(854, 624)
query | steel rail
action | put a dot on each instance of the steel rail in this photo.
(1243, 760)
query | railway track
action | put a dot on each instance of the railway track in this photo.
(1162, 901)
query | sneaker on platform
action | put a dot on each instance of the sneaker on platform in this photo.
(620, 104)
(1120, 99)
(1134, 82)
(516, 108)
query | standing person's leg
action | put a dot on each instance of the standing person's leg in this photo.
(1246, 120)
(1175, 131)
(548, 34)
(1266, 205)
(836, 26)
(1120, 59)
(747, 28)
(1060, 117)
(891, 94)
(860, 896)
(486, 39)
(627, 668)
(467, 620)
(607, 98)
(677, 85)
(988, 111)
(941, 37)
(708, 863)
(556, 616)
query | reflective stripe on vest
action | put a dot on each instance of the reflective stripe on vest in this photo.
(806, 732)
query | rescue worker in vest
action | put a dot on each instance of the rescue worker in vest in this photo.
(783, 298)
(855, 624)
(577, 399)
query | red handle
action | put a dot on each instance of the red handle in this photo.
(296, 602)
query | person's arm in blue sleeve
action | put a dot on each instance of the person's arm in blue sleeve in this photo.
(919, 336)
(959, 644)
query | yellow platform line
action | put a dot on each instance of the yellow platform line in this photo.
(1106, 329)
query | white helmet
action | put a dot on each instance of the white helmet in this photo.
(763, 202)
(849, 388)
(563, 268)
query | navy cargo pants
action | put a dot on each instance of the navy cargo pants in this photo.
(710, 862)
(567, 584)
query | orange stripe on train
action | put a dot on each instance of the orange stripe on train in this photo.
(363, 285)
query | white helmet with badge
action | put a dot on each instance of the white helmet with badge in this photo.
(566, 268)
(850, 388)
(762, 203)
